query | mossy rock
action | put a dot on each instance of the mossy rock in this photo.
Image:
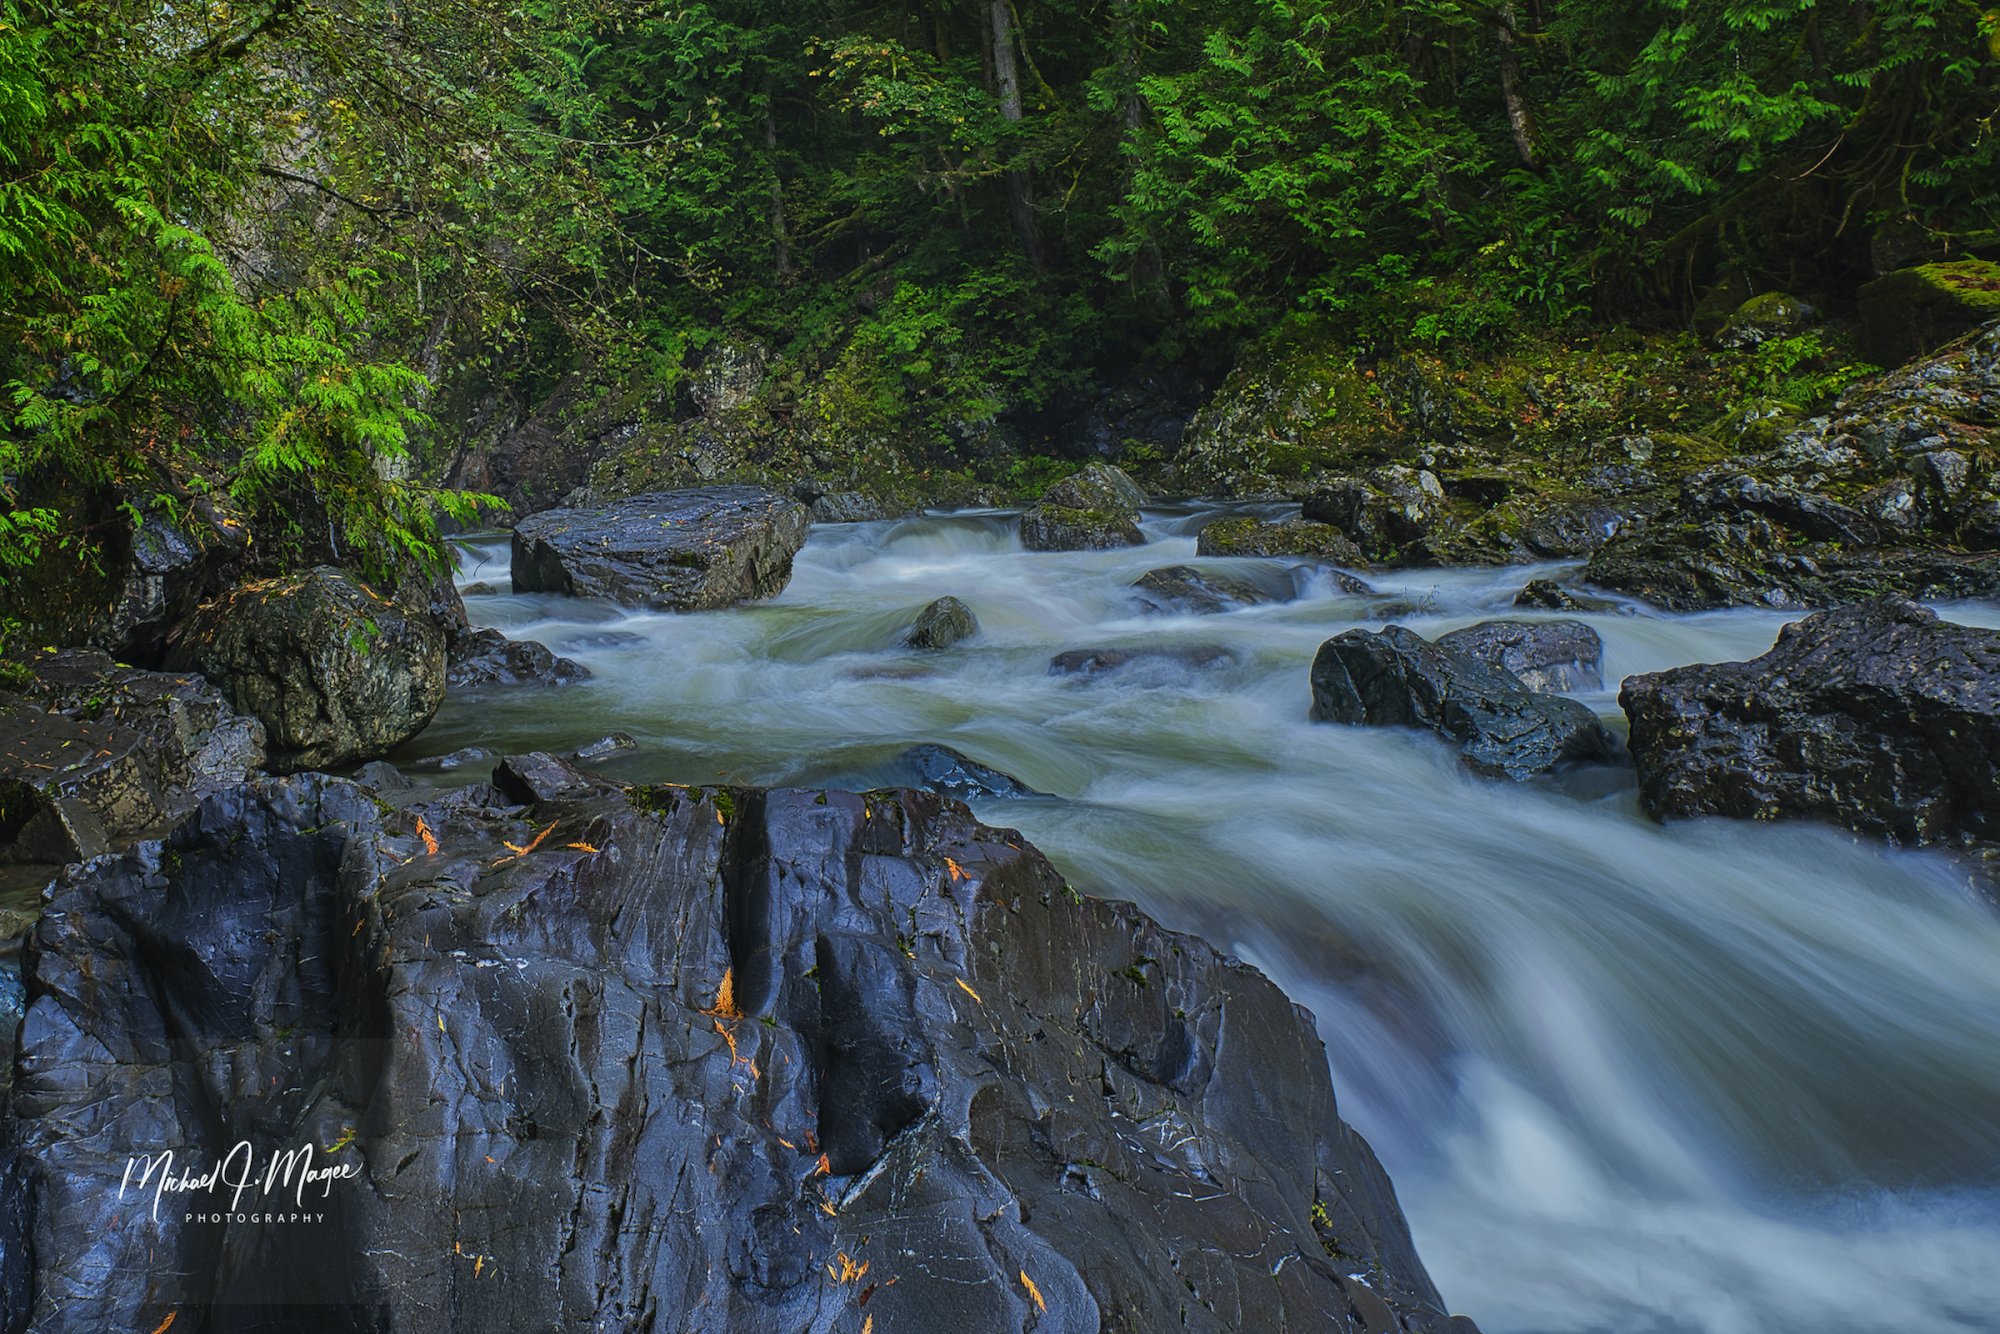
(1061, 528)
(1300, 538)
(1911, 311)
(1764, 318)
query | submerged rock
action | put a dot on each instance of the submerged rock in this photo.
(1548, 595)
(955, 774)
(489, 658)
(1182, 589)
(94, 754)
(1098, 661)
(1544, 655)
(668, 551)
(1878, 717)
(714, 1060)
(336, 672)
(942, 624)
(604, 748)
(1505, 730)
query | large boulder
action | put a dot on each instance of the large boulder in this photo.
(1907, 313)
(668, 551)
(336, 672)
(1878, 717)
(1091, 510)
(1096, 486)
(1543, 655)
(708, 1060)
(1505, 730)
(1390, 513)
(94, 754)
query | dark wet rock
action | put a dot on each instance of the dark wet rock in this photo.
(1097, 486)
(941, 624)
(721, 1060)
(953, 773)
(336, 672)
(668, 551)
(488, 658)
(1057, 528)
(1574, 529)
(539, 776)
(1548, 595)
(1878, 717)
(604, 748)
(93, 754)
(849, 507)
(465, 757)
(1184, 590)
(1544, 655)
(1390, 513)
(479, 590)
(1293, 538)
(1098, 661)
(1505, 730)
(597, 641)
(1764, 318)
(382, 776)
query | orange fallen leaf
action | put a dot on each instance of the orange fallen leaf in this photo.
(424, 833)
(957, 871)
(824, 1167)
(583, 847)
(966, 987)
(167, 1324)
(1034, 1292)
(519, 851)
(725, 998)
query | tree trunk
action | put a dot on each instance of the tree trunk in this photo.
(780, 235)
(1007, 76)
(1519, 120)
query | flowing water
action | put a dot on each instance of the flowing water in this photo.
(1715, 1077)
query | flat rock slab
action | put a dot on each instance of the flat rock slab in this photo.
(707, 1060)
(1879, 717)
(665, 551)
(1397, 678)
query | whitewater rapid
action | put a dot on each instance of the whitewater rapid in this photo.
(1714, 1077)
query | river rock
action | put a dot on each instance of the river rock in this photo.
(94, 754)
(955, 774)
(1096, 486)
(1878, 717)
(1292, 538)
(1395, 677)
(604, 748)
(1389, 513)
(1548, 595)
(1092, 510)
(668, 551)
(1058, 528)
(482, 658)
(942, 624)
(1098, 661)
(1184, 590)
(709, 1060)
(1543, 655)
(335, 672)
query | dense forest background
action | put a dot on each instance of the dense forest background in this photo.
(269, 253)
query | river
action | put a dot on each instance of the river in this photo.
(1713, 1077)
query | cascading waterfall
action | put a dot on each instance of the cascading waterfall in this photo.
(1714, 1077)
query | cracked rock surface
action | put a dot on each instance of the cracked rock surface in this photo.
(674, 1059)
